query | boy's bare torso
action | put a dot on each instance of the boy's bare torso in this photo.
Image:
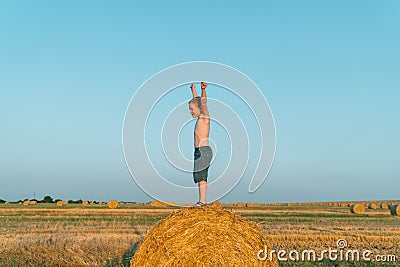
(202, 131)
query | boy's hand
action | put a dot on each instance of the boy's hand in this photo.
(193, 87)
(203, 85)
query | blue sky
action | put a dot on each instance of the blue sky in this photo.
(329, 70)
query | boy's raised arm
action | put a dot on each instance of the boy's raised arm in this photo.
(194, 93)
(204, 99)
(203, 89)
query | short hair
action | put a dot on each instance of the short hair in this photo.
(197, 101)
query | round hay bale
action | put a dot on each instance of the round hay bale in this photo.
(85, 203)
(113, 204)
(26, 202)
(203, 236)
(249, 204)
(372, 206)
(395, 210)
(384, 205)
(7, 202)
(241, 204)
(32, 202)
(357, 208)
(65, 203)
(60, 203)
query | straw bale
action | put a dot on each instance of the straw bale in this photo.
(395, 210)
(203, 236)
(384, 205)
(241, 204)
(113, 204)
(357, 208)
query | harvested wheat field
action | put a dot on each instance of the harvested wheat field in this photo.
(94, 235)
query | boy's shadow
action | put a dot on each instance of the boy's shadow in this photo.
(126, 257)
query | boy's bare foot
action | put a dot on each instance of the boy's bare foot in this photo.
(193, 87)
(203, 85)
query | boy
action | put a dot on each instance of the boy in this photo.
(202, 151)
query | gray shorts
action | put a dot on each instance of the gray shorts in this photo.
(202, 160)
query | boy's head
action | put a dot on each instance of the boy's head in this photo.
(195, 106)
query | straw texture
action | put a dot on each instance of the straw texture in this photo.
(203, 236)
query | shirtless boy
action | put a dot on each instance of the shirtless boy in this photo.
(202, 150)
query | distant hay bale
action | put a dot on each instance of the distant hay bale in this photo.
(203, 236)
(26, 202)
(249, 204)
(372, 206)
(343, 204)
(256, 204)
(60, 203)
(85, 203)
(32, 202)
(241, 204)
(395, 210)
(7, 202)
(357, 208)
(157, 203)
(65, 203)
(20, 203)
(384, 205)
(92, 203)
(113, 204)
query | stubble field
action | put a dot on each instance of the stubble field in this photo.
(76, 235)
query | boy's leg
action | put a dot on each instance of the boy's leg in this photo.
(202, 191)
(200, 173)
